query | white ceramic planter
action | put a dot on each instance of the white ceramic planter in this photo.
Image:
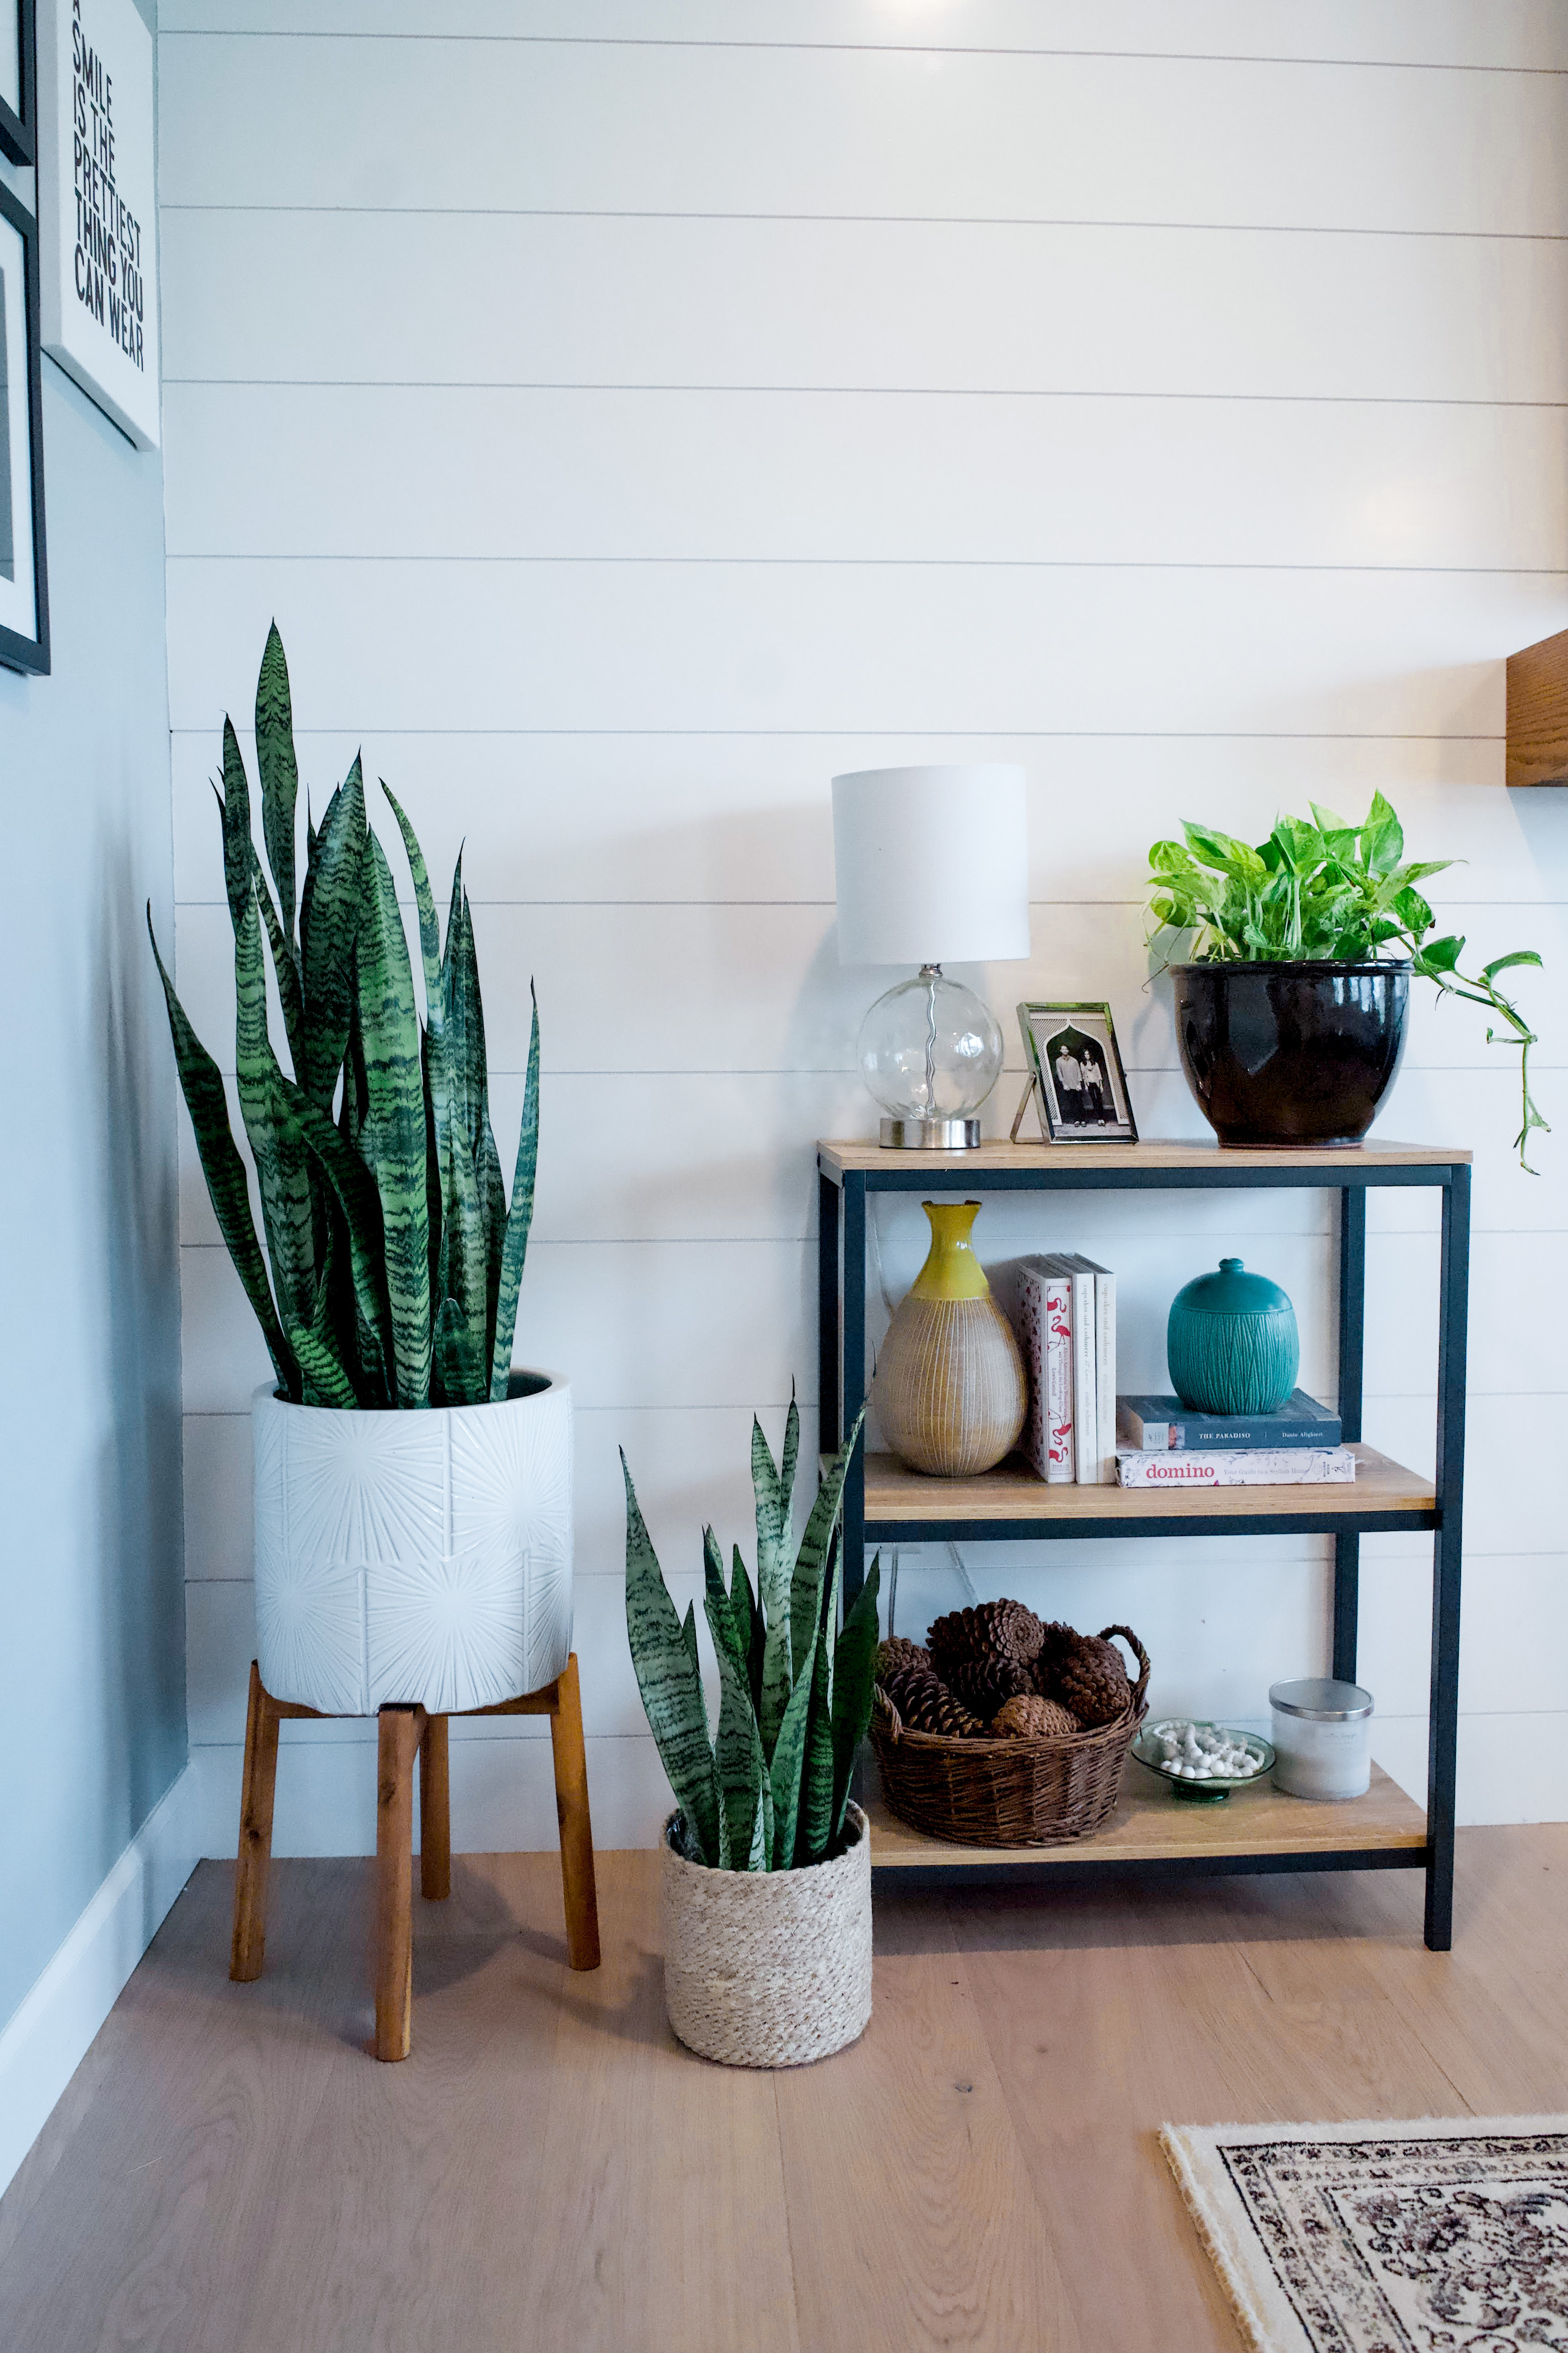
(769, 1969)
(412, 1556)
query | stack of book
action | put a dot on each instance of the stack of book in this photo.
(1161, 1443)
(1066, 1316)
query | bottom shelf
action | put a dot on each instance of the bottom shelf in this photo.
(1253, 1830)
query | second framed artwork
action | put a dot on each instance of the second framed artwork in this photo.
(1077, 1082)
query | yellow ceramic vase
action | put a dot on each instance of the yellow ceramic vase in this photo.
(949, 1389)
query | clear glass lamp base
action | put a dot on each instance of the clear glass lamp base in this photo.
(931, 1052)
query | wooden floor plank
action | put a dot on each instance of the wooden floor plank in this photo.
(910, 2210)
(1112, 2014)
(659, 2220)
(230, 2173)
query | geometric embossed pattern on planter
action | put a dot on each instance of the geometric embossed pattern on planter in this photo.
(412, 1556)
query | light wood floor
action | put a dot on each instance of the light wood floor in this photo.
(229, 2172)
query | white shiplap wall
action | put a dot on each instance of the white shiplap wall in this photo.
(633, 414)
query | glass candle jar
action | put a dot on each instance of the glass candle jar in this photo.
(1323, 1738)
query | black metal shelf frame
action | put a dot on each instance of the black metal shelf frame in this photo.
(842, 1378)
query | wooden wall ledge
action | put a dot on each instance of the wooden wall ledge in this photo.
(1538, 714)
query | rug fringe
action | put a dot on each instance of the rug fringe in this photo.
(1192, 2198)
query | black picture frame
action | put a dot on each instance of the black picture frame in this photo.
(1101, 1112)
(17, 651)
(20, 132)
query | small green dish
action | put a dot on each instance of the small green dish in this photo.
(1146, 1748)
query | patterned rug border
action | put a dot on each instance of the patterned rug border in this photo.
(1262, 2313)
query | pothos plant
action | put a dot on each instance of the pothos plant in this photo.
(768, 1790)
(394, 1259)
(1321, 888)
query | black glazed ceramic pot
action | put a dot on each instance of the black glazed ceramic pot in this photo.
(1291, 1053)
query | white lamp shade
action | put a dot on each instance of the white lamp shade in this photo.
(933, 865)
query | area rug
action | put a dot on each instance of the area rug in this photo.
(1443, 2235)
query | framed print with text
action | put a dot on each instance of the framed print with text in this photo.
(19, 100)
(23, 581)
(1079, 1083)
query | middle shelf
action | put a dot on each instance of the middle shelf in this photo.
(1012, 1502)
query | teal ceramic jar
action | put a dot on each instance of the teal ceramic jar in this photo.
(1232, 1343)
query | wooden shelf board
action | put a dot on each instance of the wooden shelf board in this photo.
(1151, 1825)
(838, 1154)
(1013, 1491)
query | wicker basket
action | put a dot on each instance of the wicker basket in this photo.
(1008, 1792)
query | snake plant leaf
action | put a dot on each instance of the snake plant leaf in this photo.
(757, 1640)
(465, 1268)
(670, 1686)
(727, 1641)
(742, 1769)
(786, 1765)
(355, 1190)
(326, 1383)
(458, 1367)
(233, 812)
(279, 776)
(787, 1464)
(329, 924)
(392, 1138)
(438, 1088)
(283, 1171)
(814, 1829)
(747, 1626)
(816, 1544)
(492, 1213)
(290, 996)
(855, 1672)
(520, 1217)
(773, 1590)
(201, 1083)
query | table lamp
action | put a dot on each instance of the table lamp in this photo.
(932, 867)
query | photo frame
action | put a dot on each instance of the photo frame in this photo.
(1076, 1078)
(18, 82)
(24, 575)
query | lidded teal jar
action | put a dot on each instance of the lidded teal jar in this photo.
(1232, 1343)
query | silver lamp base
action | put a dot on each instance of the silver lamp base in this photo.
(931, 1134)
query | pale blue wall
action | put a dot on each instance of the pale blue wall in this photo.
(92, 1669)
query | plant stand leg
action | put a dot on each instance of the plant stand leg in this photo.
(577, 1884)
(247, 1950)
(400, 1730)
(435, 1813)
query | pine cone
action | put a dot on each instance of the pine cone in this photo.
(1092, 1681)
(1057, 1641)
(896, 1653)
(984, 1686)
(925, 1703)
(991, 1629)
(1028, 1718)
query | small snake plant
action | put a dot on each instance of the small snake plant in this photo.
(768, 1790)
(1320, 888)
(395, 1262)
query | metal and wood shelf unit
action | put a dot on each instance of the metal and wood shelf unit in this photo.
(1256, 1830)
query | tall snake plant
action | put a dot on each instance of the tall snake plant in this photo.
(768, 1790)
(395, 1262)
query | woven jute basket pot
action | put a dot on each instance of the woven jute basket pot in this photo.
(769, 1969)
(414, 1556)
(1008, 1792)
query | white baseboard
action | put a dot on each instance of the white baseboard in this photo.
(44, 2043)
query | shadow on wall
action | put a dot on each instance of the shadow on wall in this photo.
(139, 1553)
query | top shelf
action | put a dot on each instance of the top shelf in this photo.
(838, 1155)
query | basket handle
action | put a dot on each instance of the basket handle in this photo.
(895, 1721)
(1136, 1647)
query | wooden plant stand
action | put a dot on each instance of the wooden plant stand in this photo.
(406, 1733)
